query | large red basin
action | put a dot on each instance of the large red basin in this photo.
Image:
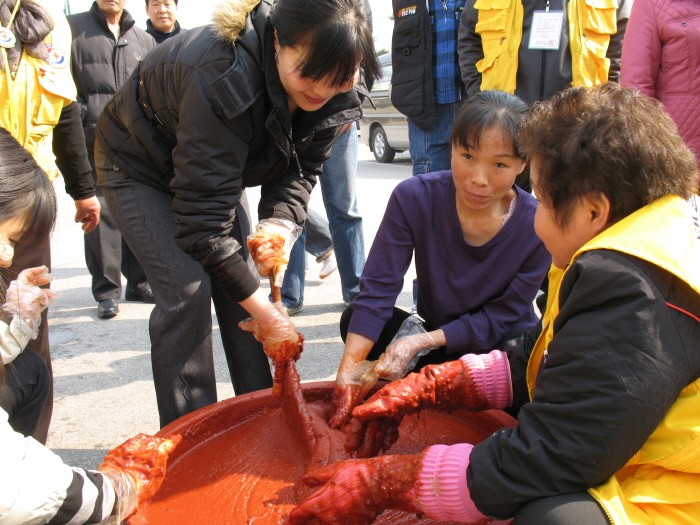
(238, 462)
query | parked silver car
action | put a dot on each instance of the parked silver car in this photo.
(383, 129)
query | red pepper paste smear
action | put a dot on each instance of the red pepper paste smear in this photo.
(240, 459)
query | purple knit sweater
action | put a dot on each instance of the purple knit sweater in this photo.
(477, 295)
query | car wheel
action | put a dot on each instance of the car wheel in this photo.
(380, 146)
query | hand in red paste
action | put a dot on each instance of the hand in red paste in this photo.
(447, 386)
(357, 491)
(366, 439)
(352, 383)
(280, 339)
(136, 469)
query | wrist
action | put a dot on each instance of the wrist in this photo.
(398, 481)
(443, 493)
(491, 376)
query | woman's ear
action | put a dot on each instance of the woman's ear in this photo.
(598, 208)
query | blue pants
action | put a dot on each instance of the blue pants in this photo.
(430, 149)
(340, 201)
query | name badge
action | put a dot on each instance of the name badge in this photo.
(545, 32)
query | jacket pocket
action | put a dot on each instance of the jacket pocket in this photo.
(408, 65)
(600, 17)
(491, 26)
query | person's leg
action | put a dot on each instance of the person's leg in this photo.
(390, 328)
(180, 324)
(430, 148)
(318, 235)
(137, 287)
(103, 255)
(338, 187)
(293, 285)
(247, 363)
(24, 392)
(31, 255)
(567, 509)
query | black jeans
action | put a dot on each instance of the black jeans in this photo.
(181, 324)
(23, 393)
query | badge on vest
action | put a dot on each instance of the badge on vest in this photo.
(545, 32)
(406, 11)
(7, 38)
(57, 57)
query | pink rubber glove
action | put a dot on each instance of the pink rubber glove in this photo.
(474, 382)
(26, 300)
(357, 491)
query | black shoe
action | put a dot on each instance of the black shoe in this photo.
(107, 308)
(145, 296)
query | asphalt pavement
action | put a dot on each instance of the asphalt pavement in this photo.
(102, 368)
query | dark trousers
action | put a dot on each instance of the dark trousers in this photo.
(24, 389)
(437, 356)
(30, 255)
(108, 256)
(578, 508)
(180, 326)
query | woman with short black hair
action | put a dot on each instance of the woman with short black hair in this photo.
(257, 98)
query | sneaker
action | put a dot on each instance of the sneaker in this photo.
(328, 266)
(293, 311)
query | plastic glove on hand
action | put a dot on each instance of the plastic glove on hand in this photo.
(357, 491)
(352, 383)
(447, 386)
(137, 469)
(7, 252)
(400, 356)
(271, 245)
(280, 339)
(26, 300)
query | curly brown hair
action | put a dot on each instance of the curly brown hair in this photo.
(605, 139)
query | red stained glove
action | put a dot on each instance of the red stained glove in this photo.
(474, 382)
(280, 339)
(137, 469)
(351, 386)
(357, 491)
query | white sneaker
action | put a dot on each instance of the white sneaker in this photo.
(293, 311)
(328, 266)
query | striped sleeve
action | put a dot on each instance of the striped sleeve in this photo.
(90, 498)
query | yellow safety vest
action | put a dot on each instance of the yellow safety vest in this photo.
(31, 103)
(500, 25)
(660, 484)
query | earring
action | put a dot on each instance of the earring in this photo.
(276, 59)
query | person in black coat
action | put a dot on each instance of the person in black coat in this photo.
(106, 48)
(256, 98)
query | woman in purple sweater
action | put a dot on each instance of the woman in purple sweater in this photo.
(478, 261)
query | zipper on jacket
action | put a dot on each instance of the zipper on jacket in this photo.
(291, 143)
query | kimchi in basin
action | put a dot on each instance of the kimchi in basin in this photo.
(240, 459)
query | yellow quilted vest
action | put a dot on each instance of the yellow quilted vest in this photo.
(660, 484)
(31, 103)
(500, 25)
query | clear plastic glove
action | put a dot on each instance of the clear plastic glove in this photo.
(402, 355)
(7, 252)
(137, 469)
(447, 386)
(352, 383)
(279, 337)
(26, 300)
(271, 245)
(357, 491)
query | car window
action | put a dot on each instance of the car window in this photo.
(383, 83)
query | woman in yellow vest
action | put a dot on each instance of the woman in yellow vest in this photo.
(608, 398)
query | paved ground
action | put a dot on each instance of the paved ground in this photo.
(102, 370)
